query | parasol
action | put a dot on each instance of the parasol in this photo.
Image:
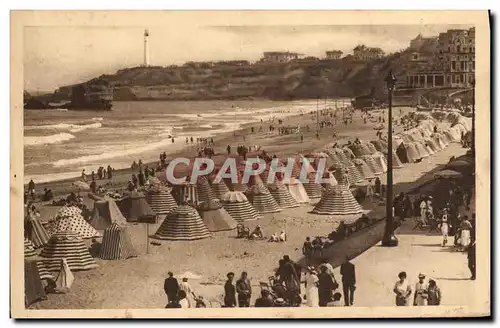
(448, 174)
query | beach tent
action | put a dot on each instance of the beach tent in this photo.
(363, 168)
(68, 245)
(341, 154)
(328, 181)
(43, 272)
(185, 193)
(69, 218)
(215, 217)
(371, 147)
(432, 145)
(396, 162)
(219, 188)
(353, 174)
(160, 199)
(297, 191)
(270, 176)
(116, 244)
(239, 184)
(317, 157)
(312, 187)
(36, 232)
(65, 278)
(134, 207)
(238, 206)
(105, 213)
(380, 161)
(340, 173)
(372, 164)
(300, 165)
(261, 199)
(33, 287)
(407, 153)
(348, 153)
(182, 224)
(379, 146)
(29, 249)
(282, 195)
(338, 200)
(333, 155)
(205, 193)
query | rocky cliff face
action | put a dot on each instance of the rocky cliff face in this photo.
(296, 80)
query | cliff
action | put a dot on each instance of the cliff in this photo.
(300, 79)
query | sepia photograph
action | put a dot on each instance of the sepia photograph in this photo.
(202, 164)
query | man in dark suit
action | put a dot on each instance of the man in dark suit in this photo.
(171, 287)
(348, 281)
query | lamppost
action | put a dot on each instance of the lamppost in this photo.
(387, 240)
(473, 146)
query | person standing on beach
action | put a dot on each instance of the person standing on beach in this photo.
(244, 290)
(93, 186)
(471, 259)
(31, 188)
(134, 180)
(307, 249)
(444, 226)
(171, 287)
(420, 298)
(228, 148)
(325, 286)
(229, 291)
(348, 272)
(110, 174)
(141, 178)
(402, 290)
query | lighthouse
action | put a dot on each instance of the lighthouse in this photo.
(146, 49)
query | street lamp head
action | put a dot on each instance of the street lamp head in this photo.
(390, 80)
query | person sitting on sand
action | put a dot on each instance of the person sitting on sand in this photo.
(274, 238)
(47, 194)
(100, 190)
(265, 299)
(282, 236)
(256, 233)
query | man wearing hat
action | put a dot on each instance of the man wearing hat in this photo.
(229, 291)
(420, 291)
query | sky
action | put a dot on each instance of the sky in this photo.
(55, 56)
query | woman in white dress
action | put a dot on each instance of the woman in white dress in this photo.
(465, 227)
(445, 227)
(312, 296)
(186, 287)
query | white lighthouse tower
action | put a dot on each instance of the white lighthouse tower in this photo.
(146, 49)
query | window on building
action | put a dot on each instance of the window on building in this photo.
(439, 80)
(458, 48)
(421, 80)
(473, 65)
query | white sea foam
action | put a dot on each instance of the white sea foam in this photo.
(45, 140)
(73, 128)
(95, 119)
(206, 126)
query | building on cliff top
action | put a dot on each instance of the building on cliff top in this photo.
(280, 56)
(362, 52)
(334, 54)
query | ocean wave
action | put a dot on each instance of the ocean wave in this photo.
(45, 140)
(73, 128)
(97, 119)
(206, 126)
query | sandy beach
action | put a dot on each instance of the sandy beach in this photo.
(138, 282)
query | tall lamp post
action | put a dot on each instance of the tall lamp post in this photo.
(473, 146)
(387, 240)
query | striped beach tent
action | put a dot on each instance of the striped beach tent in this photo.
(372, 164)
(333, 155)
(261, 199)
(29, 249)
(33, 287)
(313, 188)
(238, 206)
(421, 150)
(353, 173)
(182, 224)
(68, 245)
(348, 153)
(338, 200)
(43, 272)
(328, 181)
(282, 195)
(298, 192)
(69, 218)
(36, 232)
(371, 147)
(215, 217)
(341, 154)
(219, 188)
(134, 207)
(106, 213)
(205, 192)
(363, 168)
(340, 173)
(160, 199)
(301, 164)
(185, 193)
(116, 244)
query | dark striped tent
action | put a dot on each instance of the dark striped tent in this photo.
(205, 192)
(373, 165)
(182, 224)
(262, 200)
(36, 233)
(338, 200)
(135, 208)
(29, 249)
(219, 188)
(238, 206)
(363, 168)
(43, 272)
(68, 245)
(353, 174)
(282, 195)
(313, 188)
(215, 217)
(185, 193)
(160, 200)
(33, 287)
(116, 244)
(105, 213)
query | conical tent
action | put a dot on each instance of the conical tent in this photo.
(340, 174)
(185, 193)
(421, 150)
(353, 174)
(301, 164)
(381, 161)
(333, 155)
(33, 287)
(396, 162)
(29, 249)
(116, 244)
(373, 165)
(36, 233)
(65, 278)
(261, 199)
(338, 200)
(219, 188)
(341, 155)
(205, 193)
(363, 169)
(106, 213)
(182, 224)
(69, 218)
(70, 246)
(43, 272)
(371, 147)
(160, 200)
(215, 217)
(238, 206)
(134, 207)
(282, 195)
(312, 187)
(348, 153)
(298, 191)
